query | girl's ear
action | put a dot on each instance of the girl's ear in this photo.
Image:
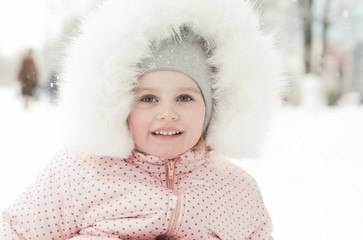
(129, 127)
(127, 123)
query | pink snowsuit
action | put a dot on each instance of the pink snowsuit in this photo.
(142, 197)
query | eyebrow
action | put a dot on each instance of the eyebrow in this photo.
(140, 89)
(194, 90)
(150, 89)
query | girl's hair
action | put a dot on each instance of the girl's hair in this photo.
(200, 146)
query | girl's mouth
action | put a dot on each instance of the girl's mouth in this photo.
(166, 133)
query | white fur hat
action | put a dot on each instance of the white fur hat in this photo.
(100, 72)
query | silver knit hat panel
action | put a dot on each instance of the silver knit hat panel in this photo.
(186, 56)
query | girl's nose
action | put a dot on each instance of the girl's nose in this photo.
(168, 113)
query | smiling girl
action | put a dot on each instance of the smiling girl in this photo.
(158, 95)
(168, 115)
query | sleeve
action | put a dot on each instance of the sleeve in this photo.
(261, 224)
(45, 209)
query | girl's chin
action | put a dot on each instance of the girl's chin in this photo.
(167, 154)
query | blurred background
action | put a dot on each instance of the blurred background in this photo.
(310, 172)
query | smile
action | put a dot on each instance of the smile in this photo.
(166, 133)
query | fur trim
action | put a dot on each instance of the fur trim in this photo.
(100, 72)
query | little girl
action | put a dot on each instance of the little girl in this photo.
(158, 95)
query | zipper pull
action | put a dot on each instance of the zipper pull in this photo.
(171, 166)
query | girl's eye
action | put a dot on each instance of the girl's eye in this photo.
(184, 98)
(148, 99)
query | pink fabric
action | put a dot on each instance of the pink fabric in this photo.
(88, 197)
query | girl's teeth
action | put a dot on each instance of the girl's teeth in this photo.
(166, 133)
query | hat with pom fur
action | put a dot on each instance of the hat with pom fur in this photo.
(100, 72)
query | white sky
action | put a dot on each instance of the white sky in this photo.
(29, 23)
(22, 24)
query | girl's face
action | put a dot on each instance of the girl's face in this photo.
(168, 115)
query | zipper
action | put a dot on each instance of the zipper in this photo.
(175, 197)
(170, 168)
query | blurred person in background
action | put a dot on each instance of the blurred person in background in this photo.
(28, 77)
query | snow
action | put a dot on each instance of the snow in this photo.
(28, 140)
(310, 174)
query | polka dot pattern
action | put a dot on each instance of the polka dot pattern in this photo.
(90, 197)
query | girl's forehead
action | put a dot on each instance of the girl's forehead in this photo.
(166, 79)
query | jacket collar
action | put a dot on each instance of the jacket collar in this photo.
(184, 163)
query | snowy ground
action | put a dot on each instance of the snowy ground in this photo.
(311, 176)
